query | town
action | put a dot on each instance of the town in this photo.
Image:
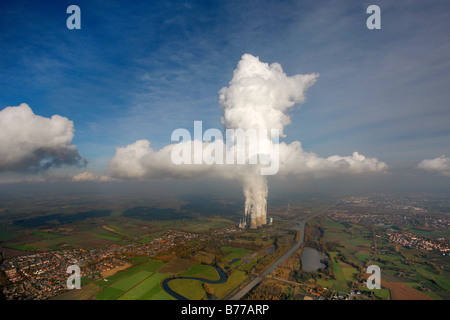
(43, 275)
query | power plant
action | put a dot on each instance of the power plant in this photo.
(254, 222)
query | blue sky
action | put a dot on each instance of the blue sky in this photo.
(140, 69)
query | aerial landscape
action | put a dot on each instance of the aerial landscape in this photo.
(149, 252)
(212, 152)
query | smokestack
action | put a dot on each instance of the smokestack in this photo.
(258, 222)
(264, 215)
(253, 224)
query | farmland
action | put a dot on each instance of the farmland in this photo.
(406, 273)
(139, 282)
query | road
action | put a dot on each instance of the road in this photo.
(301, 226)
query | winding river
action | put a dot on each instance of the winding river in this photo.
(165, 283)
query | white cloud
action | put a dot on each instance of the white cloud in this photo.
(440, 165)
(90, 176)
(139, 161)
(29, 142)
(295, 161)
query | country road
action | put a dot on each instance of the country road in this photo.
(301, 227)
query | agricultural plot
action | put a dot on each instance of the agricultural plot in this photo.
(109, 294)
(344, 276)
(47, 235)
(202, 271)
(363, 257)
(334, 226)
(234, 280)
(22, 247)
(191, 289)
(330, 236)
(177, 265)
(231, 253)
(150, 266)
(204, 257)
(355, 250)
(4, 235)
(129, 282)
(203, 226)
(139, 282)
(149, 289)
(107, 235)
(354, 242)
(406, 272)
(90, 238)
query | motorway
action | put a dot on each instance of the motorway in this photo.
(301, 227)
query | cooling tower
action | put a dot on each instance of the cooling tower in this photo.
(253, 224)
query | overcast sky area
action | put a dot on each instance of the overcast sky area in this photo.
(138, 70)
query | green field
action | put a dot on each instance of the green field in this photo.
(383, 294)
(109, 294)
(342, 281)
(355, 250)
(357, 241)
(22, 247)
(139, 282)
(150, 266)
(231, 253)
(201, 271)
(333, 225)
(335, 236)
(363, 257)
(107, 235)
(129, 282)
(149, 289)
(8, 235)
(234, 280)
(191, 289)
(47, 235)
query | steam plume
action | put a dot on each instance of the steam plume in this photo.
(259, 96)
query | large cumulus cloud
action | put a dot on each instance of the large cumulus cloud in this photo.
(140, 161)
(29, 142)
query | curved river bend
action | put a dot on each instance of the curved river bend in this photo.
(165, 283)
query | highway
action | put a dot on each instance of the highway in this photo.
(301, 226)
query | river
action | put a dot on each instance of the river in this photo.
(165, 283)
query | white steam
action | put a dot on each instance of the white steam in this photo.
(259, 96)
